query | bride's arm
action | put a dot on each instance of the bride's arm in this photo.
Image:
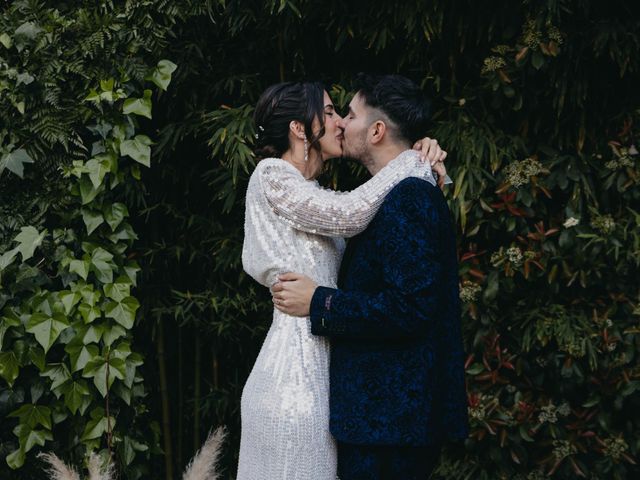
(311, 208)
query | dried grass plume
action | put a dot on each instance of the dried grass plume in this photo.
(203, 465)
(57, 469)
(98, 471)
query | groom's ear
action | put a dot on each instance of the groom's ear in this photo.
(378, 129)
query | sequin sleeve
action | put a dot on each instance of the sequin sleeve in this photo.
(310, 208)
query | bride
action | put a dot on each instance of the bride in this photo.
(293, 224)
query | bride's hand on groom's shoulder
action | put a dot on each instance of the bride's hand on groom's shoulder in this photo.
(431, 151)
(292, 294)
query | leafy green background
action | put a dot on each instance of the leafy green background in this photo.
(122, 181)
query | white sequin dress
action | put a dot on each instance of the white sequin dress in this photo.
(294, 225)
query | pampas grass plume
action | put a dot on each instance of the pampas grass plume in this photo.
(97, 471)
(203, 465)
(57, 469)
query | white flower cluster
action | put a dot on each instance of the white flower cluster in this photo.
(563, 448)
(549, 413)
(519, 173)
(571, 222)
(615, 447)
(514, 255)
(469, 291)
(493, 63)
(605, 224)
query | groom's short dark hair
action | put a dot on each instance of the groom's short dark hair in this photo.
(398, 98)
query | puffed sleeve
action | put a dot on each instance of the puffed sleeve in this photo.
(307, 206)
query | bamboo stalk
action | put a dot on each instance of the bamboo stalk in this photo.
(164, 393)
(214, 365)
(180, 445)
(196, 392)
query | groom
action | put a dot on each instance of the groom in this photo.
(397, 375)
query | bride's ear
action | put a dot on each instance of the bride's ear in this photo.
(297, 129)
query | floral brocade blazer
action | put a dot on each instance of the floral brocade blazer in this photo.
(397, 359)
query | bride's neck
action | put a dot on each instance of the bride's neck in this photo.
(296, 158)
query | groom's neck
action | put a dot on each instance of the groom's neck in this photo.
(382, 155)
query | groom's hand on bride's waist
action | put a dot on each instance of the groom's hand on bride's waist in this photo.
(292, 294)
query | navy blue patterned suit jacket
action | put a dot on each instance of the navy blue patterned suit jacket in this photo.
(397, 374)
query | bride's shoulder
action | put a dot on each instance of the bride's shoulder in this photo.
(274, 167)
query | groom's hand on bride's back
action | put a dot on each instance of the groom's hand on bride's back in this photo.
(292, 294)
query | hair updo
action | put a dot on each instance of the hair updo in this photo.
(278, 106)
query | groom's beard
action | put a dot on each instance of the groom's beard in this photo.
(359, 151)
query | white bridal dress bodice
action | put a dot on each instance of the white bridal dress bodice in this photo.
(294, 225)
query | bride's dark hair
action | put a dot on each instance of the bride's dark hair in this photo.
(279, 105)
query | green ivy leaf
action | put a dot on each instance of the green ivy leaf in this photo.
(161, 75)
(139, 106)
(132, 269)
(114, 214)
(87, 191)
(46, 328)
(97, 426)
(15, 459)
(101, 265)
(69, 300)
(8, 257)
(33, 415)
(81, 267)
(27, 30)
(58, 373)
(9, 367)
(89, 295)
(91, 219)
(6, 40)
(124, 232)
(112, 333)
(96, 368)
(75, 393)
(139, 149)
(90, 333)
(37, 357)
(122, 351)
(29, 239)
(24, 78)
(7, 320)
(118, 290)
(14, 161)
(98, 167)
(89, 313)
(107, 85)
(123, 312)
(30, 438)
(81, 354)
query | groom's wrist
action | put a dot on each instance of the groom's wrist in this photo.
(320, 310)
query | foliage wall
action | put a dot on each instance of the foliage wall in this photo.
(537, 103)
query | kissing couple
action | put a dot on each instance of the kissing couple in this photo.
(361, 373)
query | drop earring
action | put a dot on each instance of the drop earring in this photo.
(306, 149)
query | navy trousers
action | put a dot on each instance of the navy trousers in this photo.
(373, 462)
